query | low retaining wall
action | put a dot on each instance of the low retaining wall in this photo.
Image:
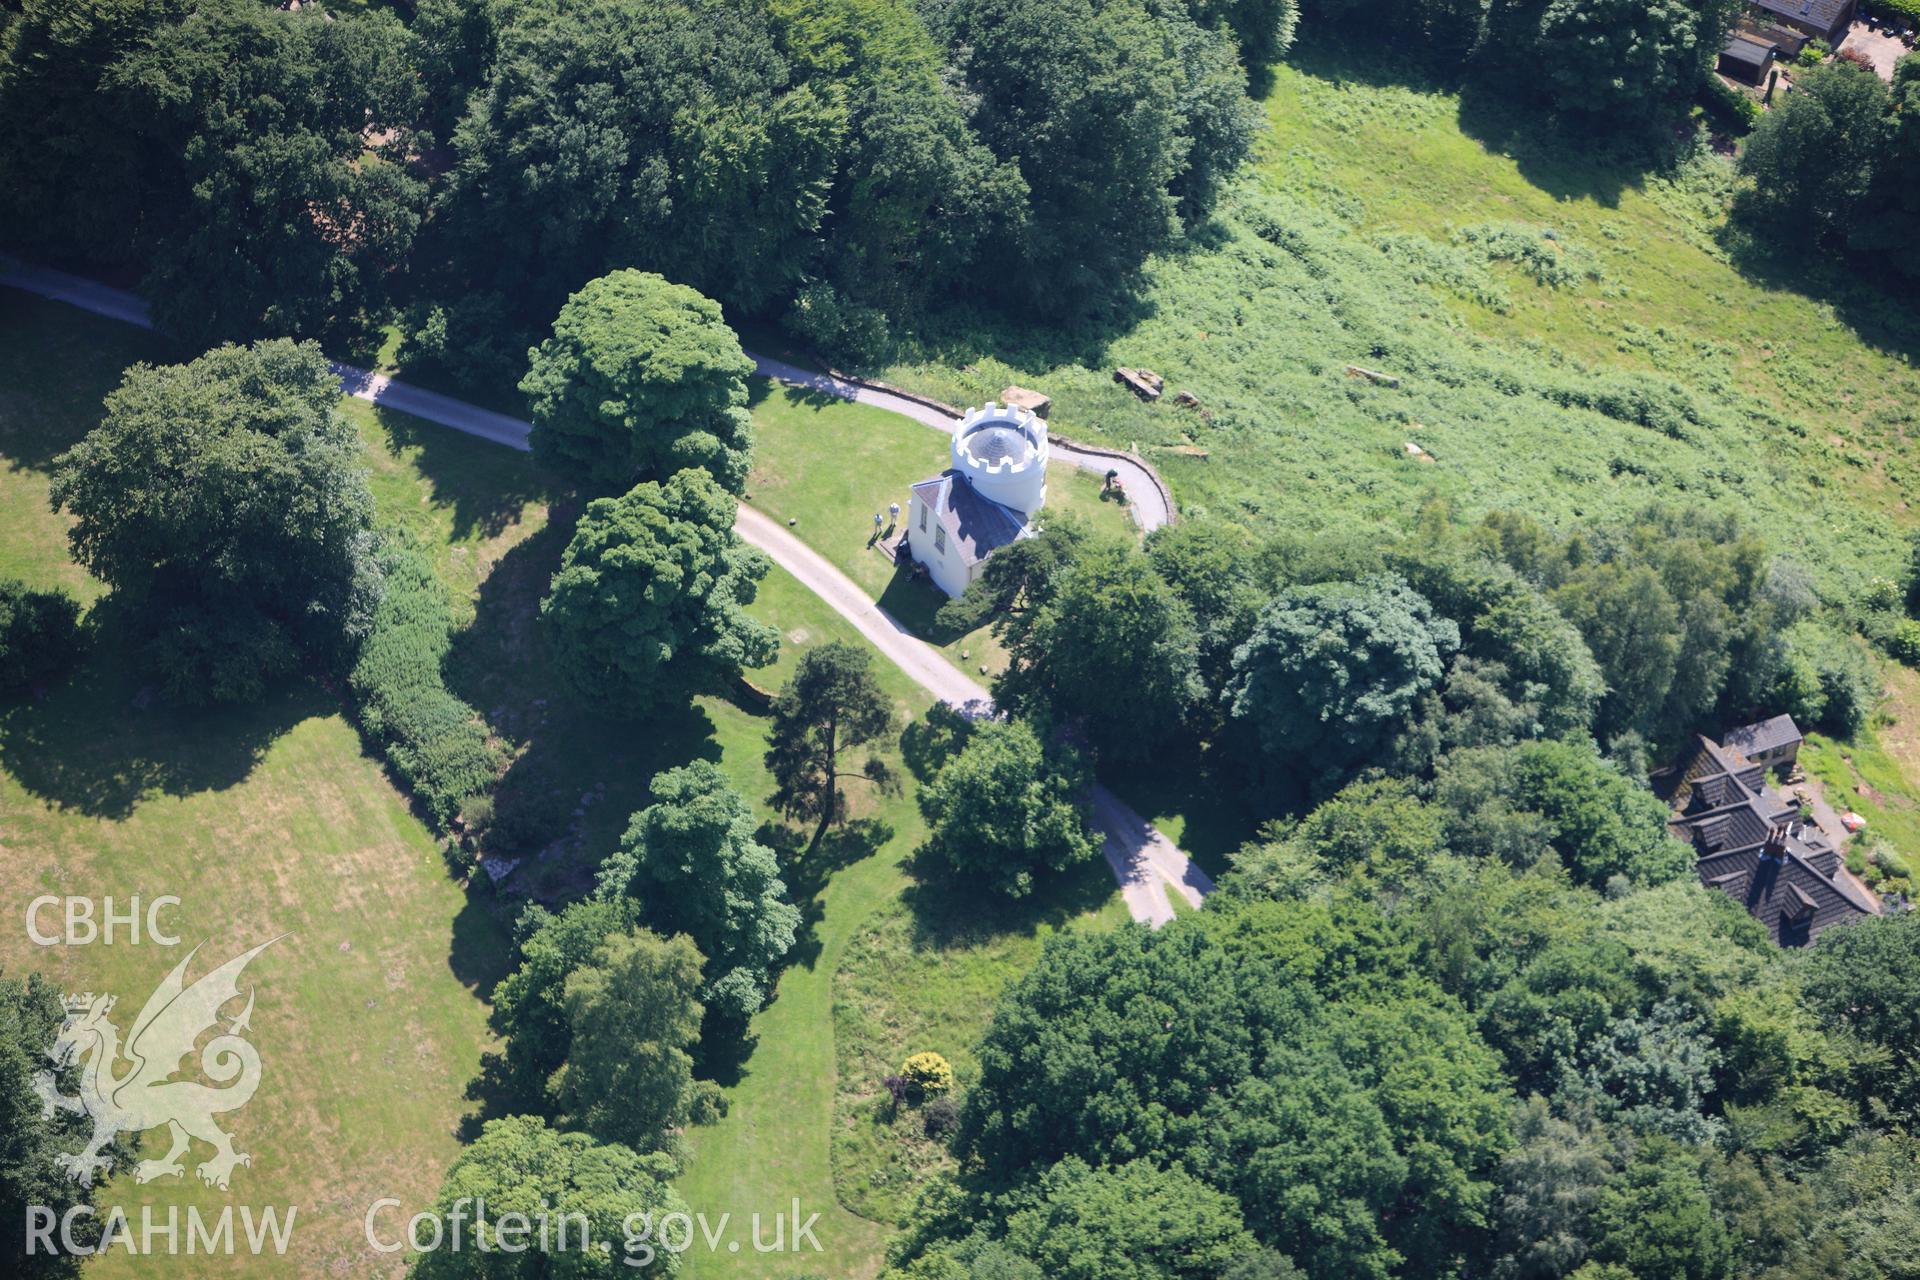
(1073, 446)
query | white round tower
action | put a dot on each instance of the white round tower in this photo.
(1002, 451)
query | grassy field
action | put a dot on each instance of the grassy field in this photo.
(1394, 225)
(272, 819)
(923, 974)
(831, 465)
(263, 821)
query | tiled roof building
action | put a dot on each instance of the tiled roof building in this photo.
(1751, 843)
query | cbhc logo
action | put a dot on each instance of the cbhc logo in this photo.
(84, 922)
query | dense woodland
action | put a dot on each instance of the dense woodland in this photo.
(1462, 1009)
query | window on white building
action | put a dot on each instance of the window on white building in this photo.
(923, 517)
(940, 540)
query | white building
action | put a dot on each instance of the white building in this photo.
(983, 501)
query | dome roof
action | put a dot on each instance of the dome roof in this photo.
(998, 444)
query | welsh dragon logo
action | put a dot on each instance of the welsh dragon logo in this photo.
(144, 1096)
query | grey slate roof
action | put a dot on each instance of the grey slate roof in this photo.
(1750, 51)
(1757, 739)
(1753, 847)
(1825, 14)
(976, 525)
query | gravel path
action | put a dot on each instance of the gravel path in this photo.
(1145, 863)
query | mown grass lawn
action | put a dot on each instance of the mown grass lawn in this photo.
(832, 465)
(271, 818)
(262, 820)
(922, 974)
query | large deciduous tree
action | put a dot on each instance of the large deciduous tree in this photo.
(225, 503)
(1514, 801)
(30, 1142)
(529, 1005)
(631, 133)
(691, 860)
(1119, 114)
(1332, 671)
(1814, 158)
(292, 206)
(641, 378)
(519, 1166)
(634, 1013)
(1111, 648)
(39, 634)
(1006, 812)
(650, 600)
(832, 704)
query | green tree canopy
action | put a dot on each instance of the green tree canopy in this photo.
(1116, 111)
(641, 379)
(634, 1012)
(225, 503)
(520, 1166)
(1596, 58)
(1007, 812)
(1602, 824)
(1278, 1051)
(691, 860)
(1813, 158)
(1111, 648)
(250, 158)
(650, 600)
(39, 634)
(529, 1005)
(1865, 980)
(287, 219)
(1332, 671)
(632, 133)
(1134, 1222)
(831, 705)
(1656, 1219)
(31, 1142)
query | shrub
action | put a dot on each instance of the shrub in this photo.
(1902, 641)
(1890, 863)
(39, 634)
(927, 1075)
(435, 744)
(708, 1103)
(941, 1117)
(1728, 107)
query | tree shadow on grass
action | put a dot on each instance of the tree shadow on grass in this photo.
(808, 865)
(481, 953)
(914, 602)
(103, 740)
(949, 912)
(1562, 157)
(1879, 312)
(1207, 794)
(486, 485)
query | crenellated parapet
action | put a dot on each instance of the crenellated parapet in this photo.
(1002, 450)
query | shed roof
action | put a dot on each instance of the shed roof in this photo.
(1748, 50)
(1764, 736)
(976, 525)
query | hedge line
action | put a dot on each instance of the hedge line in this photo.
(435, 743)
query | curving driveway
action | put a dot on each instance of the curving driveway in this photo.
(1145, 863)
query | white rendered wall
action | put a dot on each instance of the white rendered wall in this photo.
(1019, 485)
(945, 567)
